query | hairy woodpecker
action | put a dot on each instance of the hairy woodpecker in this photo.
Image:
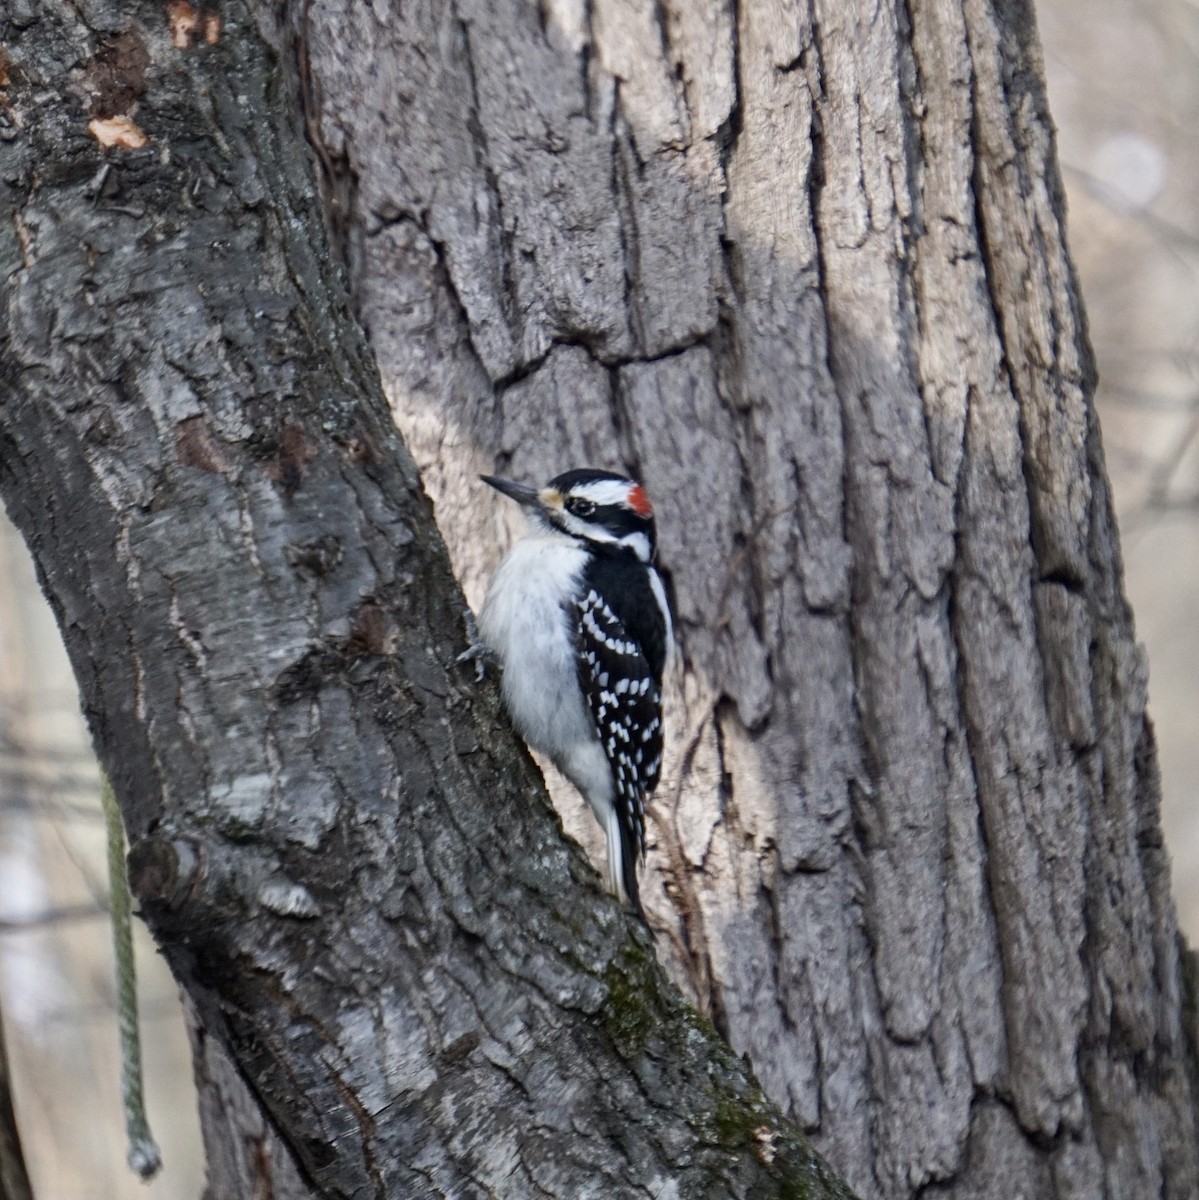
(577, 616)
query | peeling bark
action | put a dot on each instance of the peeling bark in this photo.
(346, 856)
(802, 267)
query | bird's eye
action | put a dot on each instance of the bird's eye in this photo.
(581, 508)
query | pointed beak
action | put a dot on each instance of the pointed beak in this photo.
(524, 495)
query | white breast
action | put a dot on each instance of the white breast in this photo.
(526, 625)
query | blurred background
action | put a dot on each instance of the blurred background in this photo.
(1124, 91)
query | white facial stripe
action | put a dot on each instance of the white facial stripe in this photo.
(603, 491)
(655, 582)
(638, 543)
(585, 529)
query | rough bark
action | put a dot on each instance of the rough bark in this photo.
(802, 266)
(246, 1159)
(347, 857)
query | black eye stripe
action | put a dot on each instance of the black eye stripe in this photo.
(614, 519)
(606, 514)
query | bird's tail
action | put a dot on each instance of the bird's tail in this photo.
(622, 864)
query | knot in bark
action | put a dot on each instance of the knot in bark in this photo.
(164, 872)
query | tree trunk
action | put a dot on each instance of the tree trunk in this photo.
(246, 1159)
(802, 267)
(345, 854)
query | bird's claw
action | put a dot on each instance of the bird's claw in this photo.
(481, 655)
(478, 651)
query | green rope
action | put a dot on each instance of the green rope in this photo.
(143, 1155)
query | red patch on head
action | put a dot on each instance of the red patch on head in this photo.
(638, 501)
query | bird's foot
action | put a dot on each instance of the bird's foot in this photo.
(478, 651)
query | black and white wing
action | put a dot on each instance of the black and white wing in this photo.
(623, 693)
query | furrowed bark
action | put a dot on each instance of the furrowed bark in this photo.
(346, 856)
(802, 267)
(246, 1159)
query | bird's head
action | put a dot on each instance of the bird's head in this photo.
(600, 507)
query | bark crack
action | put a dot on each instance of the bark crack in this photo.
(682, 878)
(510, 292)
(622, 147)
(727, 138)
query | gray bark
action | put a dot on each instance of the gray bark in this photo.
(802, 267)
(348, 859)
(245, 1158)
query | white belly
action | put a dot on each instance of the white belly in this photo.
(525, 625)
